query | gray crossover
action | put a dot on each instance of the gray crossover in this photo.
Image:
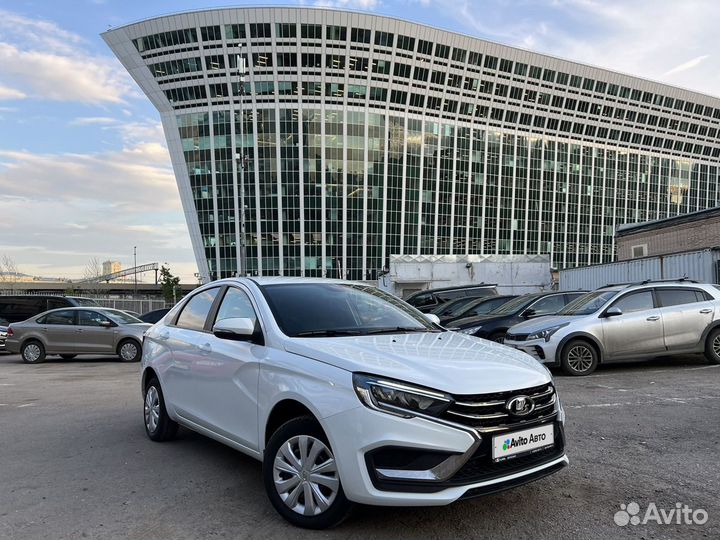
(625, 322)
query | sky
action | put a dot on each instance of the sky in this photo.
(84, 169)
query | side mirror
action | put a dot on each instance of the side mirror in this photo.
(432, 318)
(234, 328)
(528, 313)
(613, 312)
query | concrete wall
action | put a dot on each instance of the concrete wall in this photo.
(513, 274)
(673, 239)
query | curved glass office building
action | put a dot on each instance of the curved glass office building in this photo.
(356, 136)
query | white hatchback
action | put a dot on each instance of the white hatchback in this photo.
(348, 394)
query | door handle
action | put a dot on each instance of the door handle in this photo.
(706, 310)
(79, 330)
(206, 348)
(654, 318)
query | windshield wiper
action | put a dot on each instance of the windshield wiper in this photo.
(399, 330)
(327, 333)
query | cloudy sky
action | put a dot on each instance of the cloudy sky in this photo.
(84, 171)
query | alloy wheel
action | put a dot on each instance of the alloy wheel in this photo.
(305, 475)
(580, 358)
(128, 351)
(152, 409)
(716, 345)
(32, 352)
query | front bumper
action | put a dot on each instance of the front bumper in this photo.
(541, 350)
(466, 470)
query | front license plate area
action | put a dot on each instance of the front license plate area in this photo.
(519, 443)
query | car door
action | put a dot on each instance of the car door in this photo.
(686, 314)
(227, 378)
(60, 332)
(186, 338)
(638, 330)
(95, 333)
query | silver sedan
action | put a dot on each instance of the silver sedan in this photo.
(72, 331)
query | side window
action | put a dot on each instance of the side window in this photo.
(639, 301)
(91, 318)
(55, 303)
(236, 304)
(549, 304)
(195, 312)
(676, 297)
(423, 300)
(60, 317)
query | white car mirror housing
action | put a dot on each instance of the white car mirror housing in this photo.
(236, 327)
(432, 318)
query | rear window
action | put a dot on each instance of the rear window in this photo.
(85, 302)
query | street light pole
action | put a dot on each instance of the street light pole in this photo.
(242, 267)
(135, 268)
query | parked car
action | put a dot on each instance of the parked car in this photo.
(475, 308)
(428, 300)
(495, 324)
(21, 307)
(72, 331)
(625, 322)
(154, 316)
(3, 334)
(348, 395)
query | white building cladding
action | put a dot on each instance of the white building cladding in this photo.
(367, 136)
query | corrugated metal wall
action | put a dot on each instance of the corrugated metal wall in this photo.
(698, 265)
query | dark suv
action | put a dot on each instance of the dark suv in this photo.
(21, 307)
(426, 301)
(495, 324)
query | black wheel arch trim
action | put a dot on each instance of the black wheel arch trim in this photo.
(712, 326)
(580, 335)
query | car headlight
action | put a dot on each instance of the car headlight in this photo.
(397, 397)
(471, 330)
(546, 333)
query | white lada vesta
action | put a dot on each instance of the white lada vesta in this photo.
(348, 395)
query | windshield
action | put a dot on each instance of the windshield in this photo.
(452, 307)
(513, 306)
(85, 302)
(336, 309)
(119, 317)
(587, 303)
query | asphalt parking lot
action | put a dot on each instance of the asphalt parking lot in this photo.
(75, 463)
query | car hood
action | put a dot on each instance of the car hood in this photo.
(445, 361)
(535, 325)
(467, 322)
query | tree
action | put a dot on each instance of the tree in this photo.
(9, 275)
(169, 284)
(91, 273)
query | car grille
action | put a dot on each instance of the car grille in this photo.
(487, 412)
(516, 337)
(481, 467)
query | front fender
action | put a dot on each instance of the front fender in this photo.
(582, 335)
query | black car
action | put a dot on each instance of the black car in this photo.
(3, 333)
(453, 306)
(474, 308)
(154, 316)
(426, 301)
(21, 307)
(495, 324)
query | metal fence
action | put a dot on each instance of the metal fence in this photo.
(130, 304)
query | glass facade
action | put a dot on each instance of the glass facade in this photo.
(354, 142)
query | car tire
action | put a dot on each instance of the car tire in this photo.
(129, 350)
(288, 481)
(68, 356)
(579, 358)
(497, 337)
(712, 347)
(32, 352)
(158, 424)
